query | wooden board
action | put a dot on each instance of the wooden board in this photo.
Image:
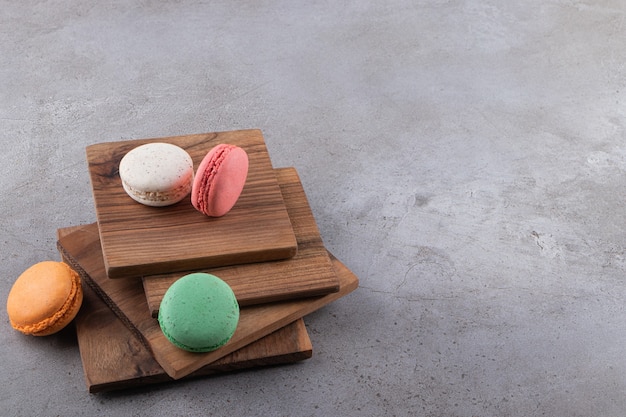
(308, 273)
(114, 358)
(82, 251)
(140, 240)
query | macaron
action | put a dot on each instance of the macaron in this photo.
(219, 180)
(199, 313)
(157, 174)
(45, 298)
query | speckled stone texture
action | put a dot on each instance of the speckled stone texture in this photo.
(465, 158)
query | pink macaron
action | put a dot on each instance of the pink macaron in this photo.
(219, 180)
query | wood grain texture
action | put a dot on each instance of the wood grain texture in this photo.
(82, 250)
(140, 240)
(308, 273)
(114, 358)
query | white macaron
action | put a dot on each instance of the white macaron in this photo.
(157, 174)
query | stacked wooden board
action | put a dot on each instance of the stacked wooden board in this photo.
(268, 249)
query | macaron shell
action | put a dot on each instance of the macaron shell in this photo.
(228, 182)
(44, 299)
(74, 304)
(203, 174)
(199, 313)
(220, 179)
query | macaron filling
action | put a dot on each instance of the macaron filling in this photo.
(158, 196)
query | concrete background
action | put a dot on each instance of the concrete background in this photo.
(466, 159)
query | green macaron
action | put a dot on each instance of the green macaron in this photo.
(199, 313)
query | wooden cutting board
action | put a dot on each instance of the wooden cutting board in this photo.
(114, 358)
(308, 273)
(83, 252)
(140, 240)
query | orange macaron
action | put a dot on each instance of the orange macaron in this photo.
(45, 298)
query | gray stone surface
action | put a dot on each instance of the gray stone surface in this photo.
(466, 159)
